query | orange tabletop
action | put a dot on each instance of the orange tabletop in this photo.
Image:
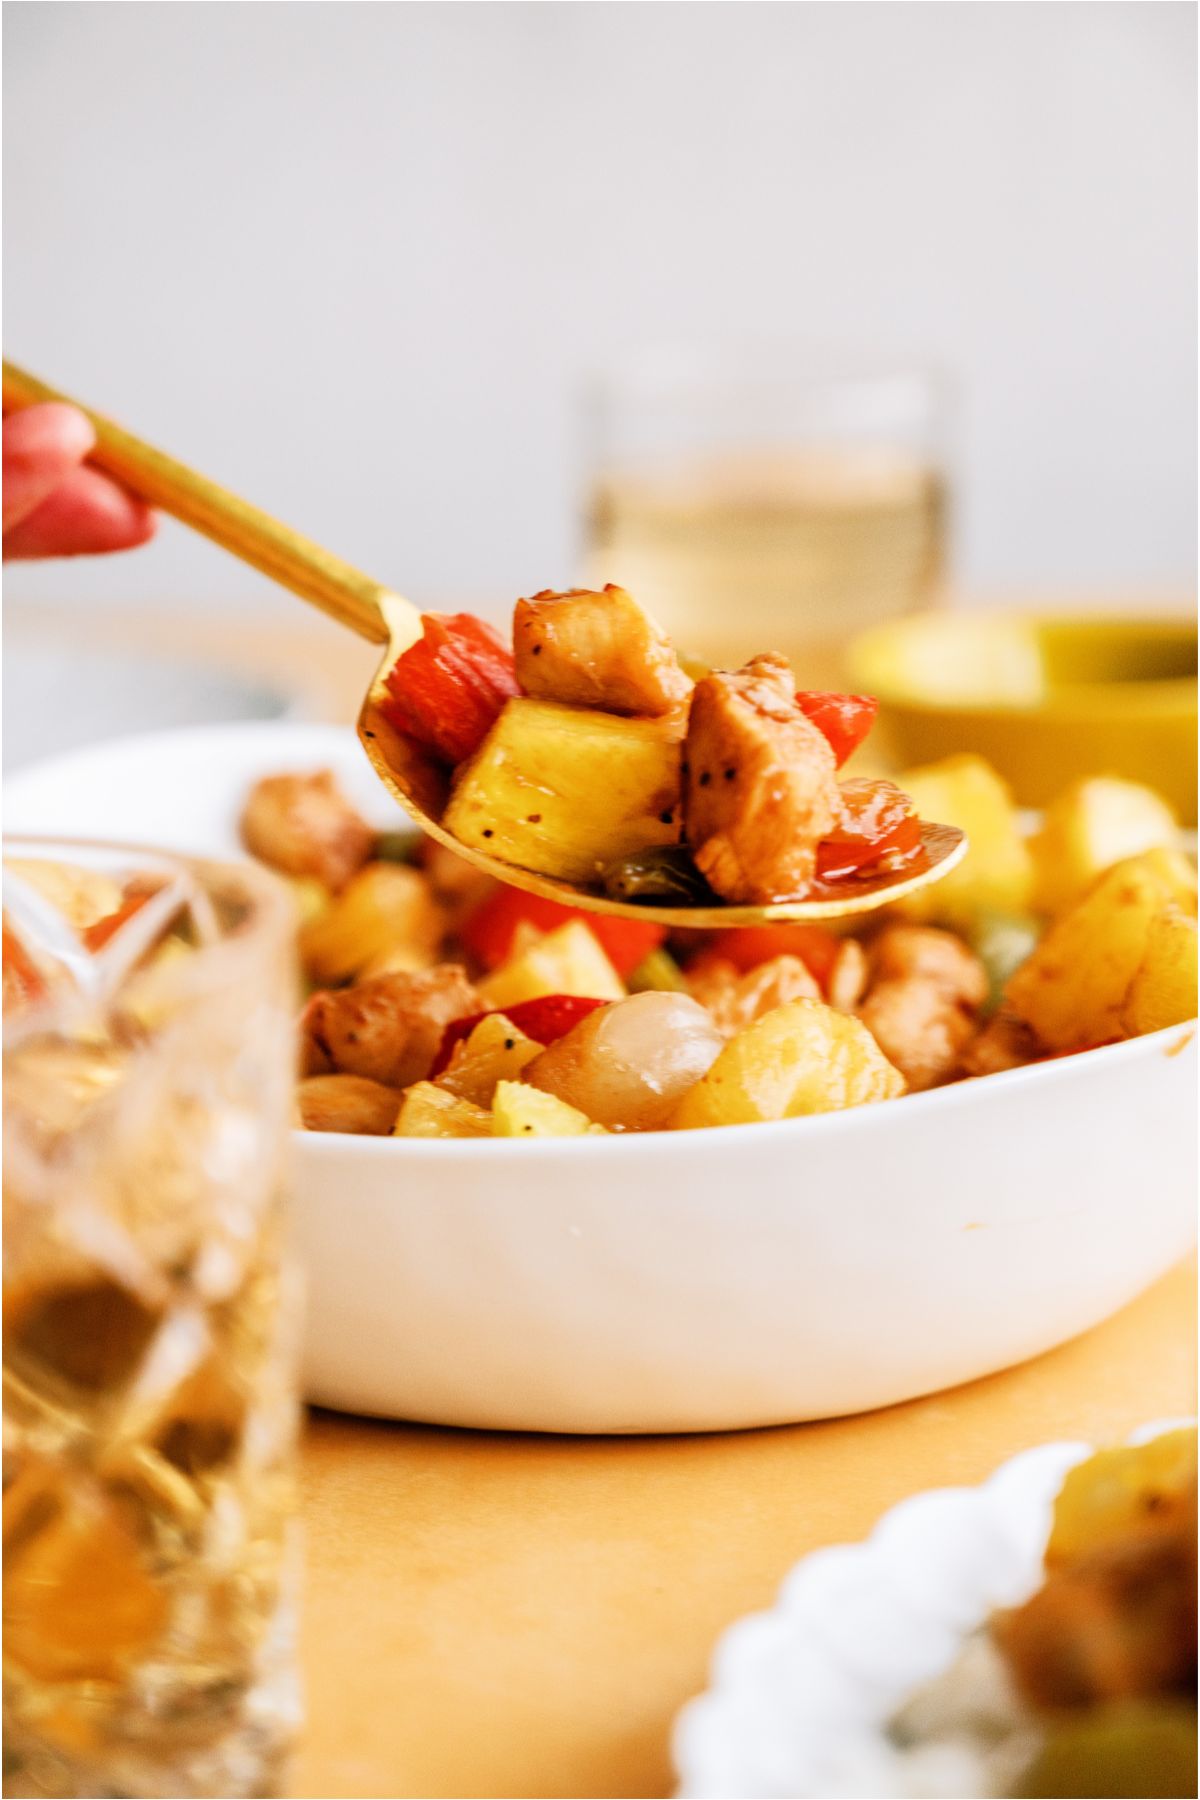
(501, 1615)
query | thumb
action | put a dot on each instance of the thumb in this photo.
(41, 447)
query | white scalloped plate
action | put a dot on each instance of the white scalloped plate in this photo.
(801, 1696)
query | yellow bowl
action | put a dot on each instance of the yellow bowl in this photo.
(1046, 699)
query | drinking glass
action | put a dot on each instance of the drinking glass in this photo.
(761, 499)
(150, 1325)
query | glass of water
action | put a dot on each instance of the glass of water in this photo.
(762, 499)
(150, 1325)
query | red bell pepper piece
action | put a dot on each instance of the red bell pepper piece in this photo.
(447, 689)
(877, 820)
(844, 719)
(545, 1019)
(489, 930)
(746, 946)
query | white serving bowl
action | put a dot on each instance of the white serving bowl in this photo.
(801, 1697)
(688, 1281)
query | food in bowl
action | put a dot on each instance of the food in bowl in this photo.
(445, 1004)
(585, 752)
(1090, 1686)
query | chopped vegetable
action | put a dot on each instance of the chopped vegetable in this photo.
(801, 1058)
(997, 870)
(1002, 941)
(658, 973)
(1163, 991)
(566, 791)
(519, 1111)
(384, 906)
(446, 691)
(844, 719)
(431, 1112)
(1072, 990)
(1085, 830)
(545, 1020)
(495, 1049)
(877, 825)
(566, 961)
(663, 874)
(401, 847)
(748, 945)
(489, 930)
(628, 1065)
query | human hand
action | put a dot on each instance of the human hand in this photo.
(54, 504)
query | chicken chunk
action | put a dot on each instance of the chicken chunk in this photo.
(926, 989)
(919, 1029)
(304, 825)
(596, 649)
(1005, 1042)
(735, 1000)
(387, 1029)
(347, 1103)
(759, 788)
(904, 951)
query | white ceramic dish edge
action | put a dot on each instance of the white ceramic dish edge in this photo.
(800, 1696)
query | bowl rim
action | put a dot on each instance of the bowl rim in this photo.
(1061, 1069)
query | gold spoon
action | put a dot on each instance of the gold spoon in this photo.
(376, 613)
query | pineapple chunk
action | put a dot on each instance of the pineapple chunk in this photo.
(386, 908)
(1119, 1491)
(568, 960)
(802, 1058)
(1163, 992)
(495, 1051)
(428, 1111)
(566, 792)
(997, 871)
(1092, 825)
(520, 1111)
(1072, 990)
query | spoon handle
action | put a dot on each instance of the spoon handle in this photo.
(343, 592)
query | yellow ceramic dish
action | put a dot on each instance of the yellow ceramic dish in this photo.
(1047, 700)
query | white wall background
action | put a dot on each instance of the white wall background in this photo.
(353, 258)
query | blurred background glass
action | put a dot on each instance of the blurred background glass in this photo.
(763, 497)
(151, 1390)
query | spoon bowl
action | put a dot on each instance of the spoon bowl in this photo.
(416, 780)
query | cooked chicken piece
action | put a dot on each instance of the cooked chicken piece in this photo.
(388, 1028)
(304, 825)
(1114, 1623)
(347, 1103)
(903, 951)
(1005, 1042)
(848, 976)
(736, 1000)
(759, 791)
(603, 650)
(919, 1027)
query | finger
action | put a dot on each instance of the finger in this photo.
(41, 447)
(86, 514)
